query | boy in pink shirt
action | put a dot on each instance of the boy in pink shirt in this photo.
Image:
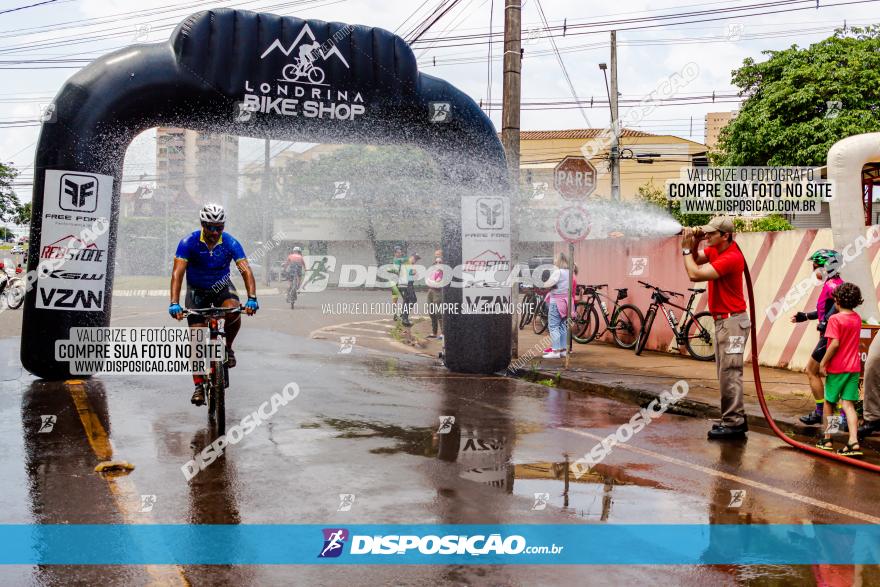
(841, 365)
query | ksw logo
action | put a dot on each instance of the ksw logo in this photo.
(58, 274)
(68, 298)
(490, 213)
(334, 540)
(303, 68)
(79, 193)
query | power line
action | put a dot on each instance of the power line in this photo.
(29, 6)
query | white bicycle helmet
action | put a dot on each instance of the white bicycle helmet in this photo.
(297, 250)
(213, 213)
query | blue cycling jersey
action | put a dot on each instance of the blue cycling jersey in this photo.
(206, 268)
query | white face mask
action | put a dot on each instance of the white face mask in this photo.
(438, 260)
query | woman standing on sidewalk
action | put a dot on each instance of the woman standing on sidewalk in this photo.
(557, 308)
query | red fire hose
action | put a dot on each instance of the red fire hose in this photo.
(763, 402)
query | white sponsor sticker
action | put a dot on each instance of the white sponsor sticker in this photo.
(485, 254)
(75, 239)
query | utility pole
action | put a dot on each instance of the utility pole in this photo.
(615, 124)
(267, 186)
(510, 121)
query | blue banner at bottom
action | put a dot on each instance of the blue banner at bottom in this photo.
(424, 544)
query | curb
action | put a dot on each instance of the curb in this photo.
(644, 394)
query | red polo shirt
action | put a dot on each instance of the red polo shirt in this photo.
(726, 292)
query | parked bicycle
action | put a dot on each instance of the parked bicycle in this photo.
(218, 375)
(533, 305)
(624, 321)
(698, 333)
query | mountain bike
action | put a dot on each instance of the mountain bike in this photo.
(218, 373)
(531, 299)
(698, 334)
(293, 290)
(624, 321)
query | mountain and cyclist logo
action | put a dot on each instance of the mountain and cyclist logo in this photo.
(304, 68)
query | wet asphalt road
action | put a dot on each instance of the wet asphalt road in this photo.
(365, 423)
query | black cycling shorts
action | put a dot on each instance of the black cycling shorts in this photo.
(819, 352)
(205, 298)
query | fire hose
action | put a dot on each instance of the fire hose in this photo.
(763, 402)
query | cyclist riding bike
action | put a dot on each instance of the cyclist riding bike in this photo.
(294, 267)
(204, 256)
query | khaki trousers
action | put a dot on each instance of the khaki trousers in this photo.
(731, 335)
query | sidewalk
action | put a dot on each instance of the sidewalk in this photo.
(607, 370)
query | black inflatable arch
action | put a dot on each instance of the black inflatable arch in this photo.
(197, 80)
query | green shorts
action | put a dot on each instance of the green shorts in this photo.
(840, 386)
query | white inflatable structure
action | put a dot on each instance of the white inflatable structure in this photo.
(845, 162)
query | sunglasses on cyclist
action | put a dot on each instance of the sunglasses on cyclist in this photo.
(213, 227)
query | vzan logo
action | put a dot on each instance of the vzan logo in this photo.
(73, 299)
(78, 193)
(299, 90)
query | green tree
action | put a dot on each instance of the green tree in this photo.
(655, 196)
(791, 115)
(9, 203)
(770, 223)
(24, 214)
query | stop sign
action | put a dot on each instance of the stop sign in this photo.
(574, 178)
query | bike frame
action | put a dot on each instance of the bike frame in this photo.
(593, 296)
(680, 335)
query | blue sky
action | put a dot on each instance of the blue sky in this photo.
(647, 56)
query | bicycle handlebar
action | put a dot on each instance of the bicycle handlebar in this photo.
(212, 311)
(663, 291)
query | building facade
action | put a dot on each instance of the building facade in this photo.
(195, 166)
(715, 121)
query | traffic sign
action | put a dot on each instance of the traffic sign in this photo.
(574, 178)
(573, 224)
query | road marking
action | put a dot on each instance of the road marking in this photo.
(736, 478)
(122, 488)
(709, 471)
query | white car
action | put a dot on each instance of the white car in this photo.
(18, 250)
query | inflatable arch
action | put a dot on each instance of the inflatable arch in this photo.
(255, 75)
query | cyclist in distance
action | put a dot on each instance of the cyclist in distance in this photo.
(204, 256)
(294, 266)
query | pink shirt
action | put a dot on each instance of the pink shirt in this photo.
(846, 328)
(827, 289)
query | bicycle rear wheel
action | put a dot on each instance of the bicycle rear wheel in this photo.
(700, 336)
(585, 325)
(539, 322)
(642, 339)
(528, 310)
(626, 324)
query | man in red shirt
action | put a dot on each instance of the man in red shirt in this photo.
(721, 264)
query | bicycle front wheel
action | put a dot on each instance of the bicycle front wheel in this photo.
(539, 323)
(642, 339)
(585, 325)
(15, 295)
(700, 337)
(626, 324)
(218, 393)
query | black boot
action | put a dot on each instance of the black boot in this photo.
(869, 428)
(198, 396)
